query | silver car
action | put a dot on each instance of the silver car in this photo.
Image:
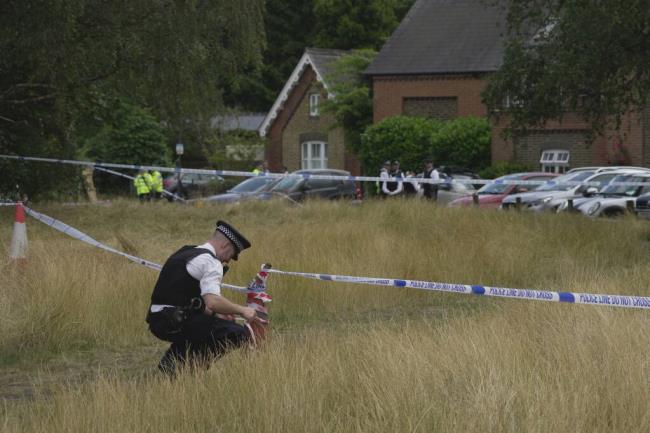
(615, 200)
(555, 194)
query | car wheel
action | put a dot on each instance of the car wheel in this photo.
(613, 213)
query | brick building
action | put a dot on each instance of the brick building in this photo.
(299, 135)
(436, 64)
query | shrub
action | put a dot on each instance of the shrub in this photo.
(462, 142)
(503, 168)
(407, 139)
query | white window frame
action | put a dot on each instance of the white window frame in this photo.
(314, 105)
(313, 154)
(555, 161)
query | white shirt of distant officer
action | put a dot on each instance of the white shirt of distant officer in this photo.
(395, 171)
(209, 272)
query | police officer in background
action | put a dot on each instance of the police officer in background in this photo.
(156, 184)
(142, 185)
(395, 188)
(430, 191)
(384, 173)
(187, 301)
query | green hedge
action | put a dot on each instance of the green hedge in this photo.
(462, 142)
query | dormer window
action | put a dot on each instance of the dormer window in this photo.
(314, 100)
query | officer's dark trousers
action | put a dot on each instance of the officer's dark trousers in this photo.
(199, 340)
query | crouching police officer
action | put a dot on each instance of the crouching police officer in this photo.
(186, 302)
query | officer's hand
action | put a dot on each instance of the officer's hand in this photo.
(248, 313)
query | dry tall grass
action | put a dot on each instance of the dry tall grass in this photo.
(345, 358)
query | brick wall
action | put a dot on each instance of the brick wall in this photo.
(396, 95)
(390, 92)
(303, 127)
(528, 149)
(441, 108)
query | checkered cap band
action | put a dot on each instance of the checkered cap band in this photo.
(231, 237)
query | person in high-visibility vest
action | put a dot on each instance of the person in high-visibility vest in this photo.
(142, 183)
(156, 184)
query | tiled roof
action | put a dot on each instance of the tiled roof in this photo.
(444, 36)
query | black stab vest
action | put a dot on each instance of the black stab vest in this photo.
(175, 286)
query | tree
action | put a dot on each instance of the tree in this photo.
(347, 24)
(289, 28)
(587, 57)
(352, 103)
(62, 58)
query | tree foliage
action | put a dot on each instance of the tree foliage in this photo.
(463, 142)
(582, 56)
(289, 29)
(130, 135)
(407, 139)
(63, 58)
(352, 102)
(346, 24)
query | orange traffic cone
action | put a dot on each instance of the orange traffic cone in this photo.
(18, 249)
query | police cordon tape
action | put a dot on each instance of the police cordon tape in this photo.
(117, 173)
(641, 302)
(77, 234)
(7, 204)
(308, 175)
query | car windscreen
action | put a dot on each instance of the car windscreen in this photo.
(625, 190)
(286, 184)
(558, 185)
(252, 184)
(497, 188)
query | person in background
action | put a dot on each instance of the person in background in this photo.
(142, 185)
(187, 308)
(430, 191)
(411, 186)
(394, 188)
(156, 184)
(383, 174)
(259, 168)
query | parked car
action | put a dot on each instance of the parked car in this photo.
(298, 188)
(643, 206)
(613, 200)
(244, 190)
(491, 195)
(555, 193)
(452, 189)
(193, 184)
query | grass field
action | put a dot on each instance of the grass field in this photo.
(75, 354)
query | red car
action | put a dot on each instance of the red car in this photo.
(491, 195)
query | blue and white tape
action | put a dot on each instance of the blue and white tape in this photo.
(622, 301)
(302, 175)
(641, 302)
(7, 203)
(76, 234)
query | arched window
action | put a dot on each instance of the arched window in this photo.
(555, 161)
(314, 154)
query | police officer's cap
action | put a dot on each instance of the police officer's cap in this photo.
(387, 162)
(237, 239)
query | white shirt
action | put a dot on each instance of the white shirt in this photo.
(206, 269)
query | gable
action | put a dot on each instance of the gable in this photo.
(320, 61)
